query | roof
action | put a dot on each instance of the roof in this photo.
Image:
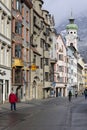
(72, 26)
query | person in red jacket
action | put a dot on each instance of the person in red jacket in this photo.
(13, 100)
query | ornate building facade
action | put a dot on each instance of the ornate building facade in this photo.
(40, 46)
(21, 47)
(5, 49)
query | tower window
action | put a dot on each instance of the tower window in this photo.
(71, 44)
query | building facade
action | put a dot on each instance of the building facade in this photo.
(21, 47)
(72, 51)
(61, 67)
(80, 74)
(40, 46)
(5, 49)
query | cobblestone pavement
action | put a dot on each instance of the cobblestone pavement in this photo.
(53, 114)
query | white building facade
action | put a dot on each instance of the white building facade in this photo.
(5, 49)
(60, 70)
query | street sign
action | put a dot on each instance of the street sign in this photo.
(33, 67)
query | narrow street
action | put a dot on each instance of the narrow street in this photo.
(48, 114)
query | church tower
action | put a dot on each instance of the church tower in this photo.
(71, 36)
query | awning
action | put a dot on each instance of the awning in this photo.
(17, 62)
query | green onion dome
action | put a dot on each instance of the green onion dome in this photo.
(72, 26)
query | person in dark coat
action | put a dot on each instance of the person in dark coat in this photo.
(70, 96)
(13, 100)
(85, 93)
(76, 94)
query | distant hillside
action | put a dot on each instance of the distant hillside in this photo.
(81, 21)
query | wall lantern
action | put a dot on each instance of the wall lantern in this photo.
(2, 73)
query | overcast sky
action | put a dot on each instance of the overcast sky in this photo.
(61, 9)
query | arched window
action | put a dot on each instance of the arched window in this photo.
(71, 44)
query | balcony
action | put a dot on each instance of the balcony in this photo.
(17, 63)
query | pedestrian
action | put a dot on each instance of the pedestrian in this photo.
(76, 94)
(13, 100)
(85, 93)
(70, 96)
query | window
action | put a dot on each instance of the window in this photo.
(71, 71)
(71, 44)
(8, 57)
(18, 5)
(46, 76)
(60, 57)
(71, 80)
(61, 79)
(2, 55)
(2, 25)
(46, 61)
(18, 28)
(72, 62)
(18, 75)
(34, 20)
(61, 69)
(6, 89)
(27, 16)
(27, 35)
(23, 11)
(13, 24)
(41, 43)
(46, 46)
(34, 60)
(47, 31)
(42, 25)
(18, 51)
(23, 31)
(41, 63)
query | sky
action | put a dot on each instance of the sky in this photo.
(61, 9)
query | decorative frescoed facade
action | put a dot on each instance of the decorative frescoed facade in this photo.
(60, 71)
(5, 49)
